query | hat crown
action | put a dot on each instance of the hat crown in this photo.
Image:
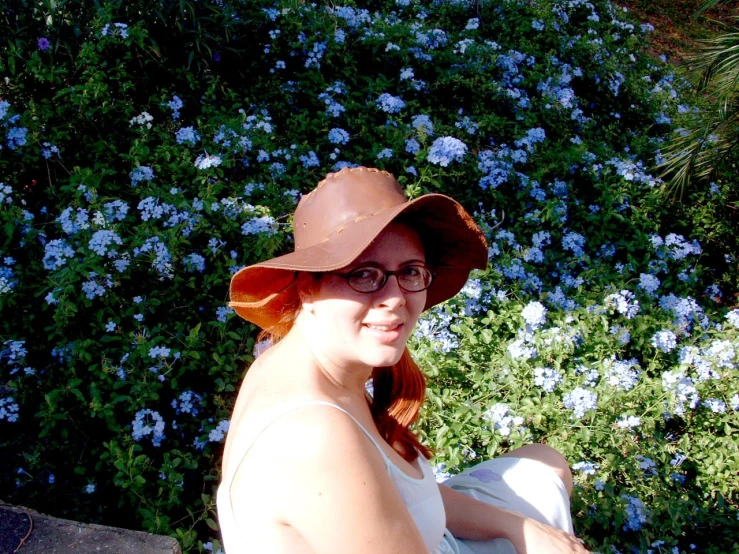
(348, 196)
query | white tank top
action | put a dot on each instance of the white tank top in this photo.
(421, 496)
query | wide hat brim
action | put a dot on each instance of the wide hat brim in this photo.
(453, 244)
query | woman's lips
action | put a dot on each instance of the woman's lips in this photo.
(386, 334)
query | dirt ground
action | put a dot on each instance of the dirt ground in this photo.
(677, 33)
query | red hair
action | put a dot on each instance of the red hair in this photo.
(398, 393)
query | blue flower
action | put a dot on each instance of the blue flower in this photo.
(389, 103)
(534, 314)
(586, 468)
(162, 259)
(581, 400)
(206, 161)
(315, 55)
(385, 153)
(333, 108)
(625, 303)
(222, 313)
(423, 125)
(142, 426)
(194, 262)
(533, 136)
(310, 160)
(118, 29)
(716, 405)
(101, 240)
(217, 434)
(159, 352)
(733, 318)
(263, 224)
(115, 210)
(141, 173)
(434, 326)
(628, 422)
(338, 136)
(686, 310)
(175, 105)
(16, 137)
(574, 242)
(445, 150)
(93, 287)
(546, 378)
(8, 409)
(466, 124)
(622, 374)
(43, 44)
(187, 135)
(110, 326)
(648, 283)
(406, 73)
(665, 340)
(412, 146)
(636, 513)
(48, 149)
(56, 254)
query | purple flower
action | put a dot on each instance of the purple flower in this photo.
(43, 44)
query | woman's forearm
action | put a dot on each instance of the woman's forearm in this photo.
(468, 518)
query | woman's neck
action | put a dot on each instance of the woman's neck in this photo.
(349, 377)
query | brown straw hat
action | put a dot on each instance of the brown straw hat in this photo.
(337, 221)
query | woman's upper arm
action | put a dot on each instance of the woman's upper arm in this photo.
(329, 483)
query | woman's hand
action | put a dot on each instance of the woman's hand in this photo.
(532, 537)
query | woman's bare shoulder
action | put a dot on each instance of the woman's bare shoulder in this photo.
(273, 384)
(315, 467)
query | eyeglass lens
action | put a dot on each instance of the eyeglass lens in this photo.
(371, 279)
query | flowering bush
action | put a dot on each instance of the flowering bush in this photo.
(148, 154)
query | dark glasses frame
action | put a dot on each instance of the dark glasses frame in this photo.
(385, 276)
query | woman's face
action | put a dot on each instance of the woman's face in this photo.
(370, 329)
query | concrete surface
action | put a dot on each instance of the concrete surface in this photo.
(50, 535)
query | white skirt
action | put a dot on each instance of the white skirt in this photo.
(520, 484)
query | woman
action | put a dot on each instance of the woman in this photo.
(312, 463)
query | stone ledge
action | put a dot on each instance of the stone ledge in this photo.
(50, 535)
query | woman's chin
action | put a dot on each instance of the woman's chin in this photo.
(385, 357)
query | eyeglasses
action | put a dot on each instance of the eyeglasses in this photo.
(412, 278)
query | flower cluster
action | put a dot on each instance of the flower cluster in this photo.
(503, 420)
(445, 150)
(148, 422)
(580, 401)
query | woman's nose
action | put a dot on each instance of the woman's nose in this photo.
(391, 294)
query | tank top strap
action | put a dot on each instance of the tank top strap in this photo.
(282, 413)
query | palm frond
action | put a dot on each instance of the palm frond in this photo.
(696, 150)
(707, 5)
